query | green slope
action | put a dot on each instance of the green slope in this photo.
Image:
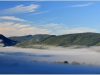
(27, 37)
(84, 39)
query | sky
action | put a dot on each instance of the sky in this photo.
(18, 18)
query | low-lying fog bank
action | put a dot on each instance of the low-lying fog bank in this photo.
(12, 57)
(88, 55)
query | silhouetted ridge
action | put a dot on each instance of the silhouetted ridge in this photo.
(6, 42)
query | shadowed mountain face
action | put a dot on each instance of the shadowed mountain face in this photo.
(6, 42)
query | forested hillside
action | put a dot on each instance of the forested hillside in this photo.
(26, 37)
(83, 39)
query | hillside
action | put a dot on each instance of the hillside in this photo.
(83, 39)
(26, 37)
(6, 42)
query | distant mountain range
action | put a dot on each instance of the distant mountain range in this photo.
(6, 42)
(27, 37)
(82, 39)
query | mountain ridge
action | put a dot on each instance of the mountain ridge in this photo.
(26, 37)
(6, 41)
(83, 39)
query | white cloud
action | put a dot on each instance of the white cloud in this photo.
(16, 29)
(50, 19)
(12, 18)
(40, 13)
(81, 5)
(21, 26)
(75, 30)
(12, 29)
(59, 29)
(20, 9)
(52, 25)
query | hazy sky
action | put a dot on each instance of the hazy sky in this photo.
(48, 17)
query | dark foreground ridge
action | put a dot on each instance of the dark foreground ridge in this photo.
(6, 42)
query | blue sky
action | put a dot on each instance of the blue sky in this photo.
(19, 18)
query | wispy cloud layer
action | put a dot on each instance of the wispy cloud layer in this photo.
(59, 29)
(21, 26)
(20, 9)
(52, 26)
(75, 30)
(15, 29)
(80, 30)
(40, 13)
(12, 18)
(82, 5)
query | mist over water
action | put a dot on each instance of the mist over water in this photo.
(82, 54)
(45, 61)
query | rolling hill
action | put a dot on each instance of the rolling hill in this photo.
(26, 37)
(82, 39)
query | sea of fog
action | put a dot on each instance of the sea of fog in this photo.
(46, 61)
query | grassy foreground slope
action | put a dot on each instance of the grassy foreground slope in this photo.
(83, 39)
